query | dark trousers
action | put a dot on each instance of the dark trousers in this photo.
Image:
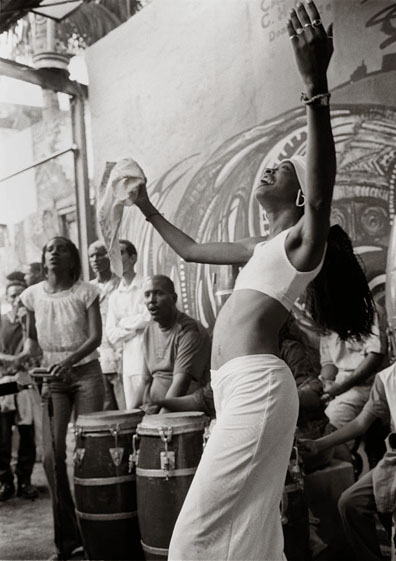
(26, 450)
(84, 392)
(357, 508)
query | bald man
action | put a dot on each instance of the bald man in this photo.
(176, 347)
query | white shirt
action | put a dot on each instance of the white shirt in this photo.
(127, 317)
(109, 357)
(61, 319)
(346, 356)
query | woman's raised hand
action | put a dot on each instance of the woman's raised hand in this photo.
(142, 199)
(312, 45)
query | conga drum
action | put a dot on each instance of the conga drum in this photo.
(170, 447)
(105, 485)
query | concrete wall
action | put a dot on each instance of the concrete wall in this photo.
(205, 93)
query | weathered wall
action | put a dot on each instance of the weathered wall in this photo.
(205, 93)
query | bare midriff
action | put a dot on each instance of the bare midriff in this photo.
(248, 324)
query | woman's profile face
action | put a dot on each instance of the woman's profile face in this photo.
(58, 255)
(278, 182)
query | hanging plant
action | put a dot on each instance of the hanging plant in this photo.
(89, 23)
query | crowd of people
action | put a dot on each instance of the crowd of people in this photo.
(123, 343)
(109, 344)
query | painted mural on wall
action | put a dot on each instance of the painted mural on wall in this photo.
(218, 202)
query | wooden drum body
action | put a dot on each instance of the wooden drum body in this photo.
(170, 448)
(105, 485)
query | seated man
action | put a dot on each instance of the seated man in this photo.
(176, 347)
(347, 372)
(375, 492)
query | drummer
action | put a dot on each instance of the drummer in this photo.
(176, 348)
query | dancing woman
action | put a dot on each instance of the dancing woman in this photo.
(232, 509)
(64, 318)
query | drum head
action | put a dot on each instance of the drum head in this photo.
(103, 420)
(181, 422)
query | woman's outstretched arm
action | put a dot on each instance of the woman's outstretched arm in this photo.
(313, 48)
(218, 253)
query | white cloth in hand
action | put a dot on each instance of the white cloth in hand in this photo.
(121, 189)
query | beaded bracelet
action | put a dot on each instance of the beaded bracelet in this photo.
(153, 214)
(322, 99)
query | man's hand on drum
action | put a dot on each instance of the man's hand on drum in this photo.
(308, 447)
(150, 408)
(312, 44)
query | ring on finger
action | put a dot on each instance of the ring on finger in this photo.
(299, 31)
(293, 37)
(317, 22)
(307, 25)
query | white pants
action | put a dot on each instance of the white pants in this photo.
(347, 406)
(231, 511)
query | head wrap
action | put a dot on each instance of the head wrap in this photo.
(300, 166)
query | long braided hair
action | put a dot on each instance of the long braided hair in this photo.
(339, 298)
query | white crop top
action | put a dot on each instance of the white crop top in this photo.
(270, 271)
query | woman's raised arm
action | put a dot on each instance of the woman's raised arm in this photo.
(313, 48)
(217, 253)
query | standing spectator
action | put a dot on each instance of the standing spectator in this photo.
(176, 347)
(64, 318)
(127, 317)
(107, 282)
(15, 411)
(34, 273)
(16, 276)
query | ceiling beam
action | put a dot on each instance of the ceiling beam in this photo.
(49, 79)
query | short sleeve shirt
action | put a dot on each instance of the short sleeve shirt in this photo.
(61, 319)
(182, 349)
